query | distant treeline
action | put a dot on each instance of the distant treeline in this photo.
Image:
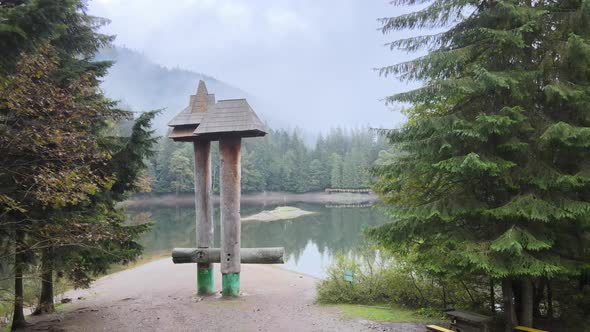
(281, 161)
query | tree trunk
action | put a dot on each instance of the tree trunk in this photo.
(549, 300)
(492, 296)
(18, 318)
(526, 314)
(509, 308)
(539, 294)
(46, 299)
(444, 295)
(584, 280)
(517, 293)
(468, 292)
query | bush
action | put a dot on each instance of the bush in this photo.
(367, 287)
(571, 304)
(382, 279)
(431, 313)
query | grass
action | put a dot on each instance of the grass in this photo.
(143, 259)
(383, 314)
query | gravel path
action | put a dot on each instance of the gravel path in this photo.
(159, 296)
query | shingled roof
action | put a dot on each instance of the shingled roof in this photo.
(232, 117)
(182, 133)
(204, 118)
(186, 117)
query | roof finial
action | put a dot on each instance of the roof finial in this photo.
(202, 88)
(198, 102)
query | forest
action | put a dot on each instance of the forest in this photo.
(489, 189)
(485, 187)
(64, 164)
(281, 161)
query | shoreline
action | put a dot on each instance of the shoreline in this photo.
(262, 198)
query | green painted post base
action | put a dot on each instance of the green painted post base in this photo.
(205, 280)
(230, 284)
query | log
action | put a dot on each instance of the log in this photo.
(204, 208)
(229, 152)
(203, 202)
(213, 255)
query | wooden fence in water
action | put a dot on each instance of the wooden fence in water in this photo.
(349, 190)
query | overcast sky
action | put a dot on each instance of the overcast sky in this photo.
(311, 60)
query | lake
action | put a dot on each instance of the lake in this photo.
(311, 242)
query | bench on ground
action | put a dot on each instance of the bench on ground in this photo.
(528, 329)
(465, 321)
(436, 328)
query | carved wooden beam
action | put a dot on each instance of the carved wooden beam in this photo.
(213, 255)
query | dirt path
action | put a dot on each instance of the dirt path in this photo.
(159, 296)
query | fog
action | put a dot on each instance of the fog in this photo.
(310, 63)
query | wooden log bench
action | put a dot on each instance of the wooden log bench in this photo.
(465, 321)
(527, 329)
(213, 255)
(436, 328)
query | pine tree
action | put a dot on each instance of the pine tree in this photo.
(281, 161)
(316, 174)
(62, 174)
(492, 172)
(322, 154)
(252, 179)
(349, 176)
(161, 164)
(181, 172)
(48, 151)
(336, 173)
(26, 25)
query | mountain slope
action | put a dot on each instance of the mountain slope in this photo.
(143, 85)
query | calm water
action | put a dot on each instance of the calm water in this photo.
(310, 242)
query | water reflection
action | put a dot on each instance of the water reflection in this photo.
(310, 241)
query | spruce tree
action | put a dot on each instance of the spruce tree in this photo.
(62, 173)
(491, 174)
(336, 173)
(252, 179)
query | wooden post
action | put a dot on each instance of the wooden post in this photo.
(203, 206)
(229, 150)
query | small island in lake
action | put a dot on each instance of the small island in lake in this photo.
(279, 213)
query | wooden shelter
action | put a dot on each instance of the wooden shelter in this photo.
(212, 120)
(226, 121)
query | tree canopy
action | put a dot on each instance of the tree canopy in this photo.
(490, 173)
(281, 161)
(62, 169)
